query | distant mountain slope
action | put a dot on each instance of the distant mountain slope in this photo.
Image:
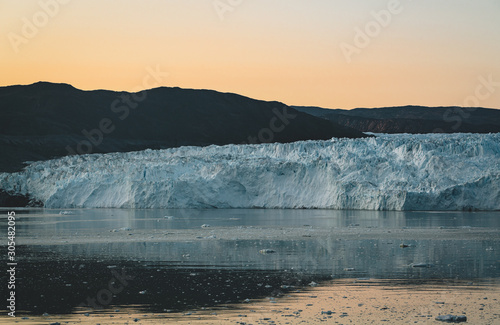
(46, 120)
(412, 119)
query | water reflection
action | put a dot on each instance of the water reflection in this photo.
(328, 257)
(85, 219)
(181, 276)
(64, 287)
(197, 273)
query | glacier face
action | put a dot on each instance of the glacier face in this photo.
(388, 172)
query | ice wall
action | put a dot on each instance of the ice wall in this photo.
(389, 172)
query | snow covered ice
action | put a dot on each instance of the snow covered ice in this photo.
(389, 172)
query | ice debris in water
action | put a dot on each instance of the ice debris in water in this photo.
(425, 265)
(451, 318)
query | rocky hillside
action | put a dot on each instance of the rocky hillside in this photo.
(412, 119)
(46, 120)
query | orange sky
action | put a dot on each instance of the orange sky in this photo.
(329, 53)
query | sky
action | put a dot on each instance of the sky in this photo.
(328, 53)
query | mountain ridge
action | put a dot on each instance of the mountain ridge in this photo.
(47, 120)
(412, 119)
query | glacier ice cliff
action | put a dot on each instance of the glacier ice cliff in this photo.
(387, 172)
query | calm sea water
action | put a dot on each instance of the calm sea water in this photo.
(160, 276)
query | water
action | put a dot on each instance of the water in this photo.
(60, 275)
(192, 218)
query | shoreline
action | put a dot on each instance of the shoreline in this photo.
(347, 301)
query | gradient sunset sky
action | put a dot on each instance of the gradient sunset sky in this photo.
(420, 52)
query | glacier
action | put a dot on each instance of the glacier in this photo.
(386, 172)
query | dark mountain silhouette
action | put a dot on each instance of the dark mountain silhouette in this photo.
(46, 120)
(412, 119)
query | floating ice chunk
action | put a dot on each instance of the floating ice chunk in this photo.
(451, 318)
(424, 265)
